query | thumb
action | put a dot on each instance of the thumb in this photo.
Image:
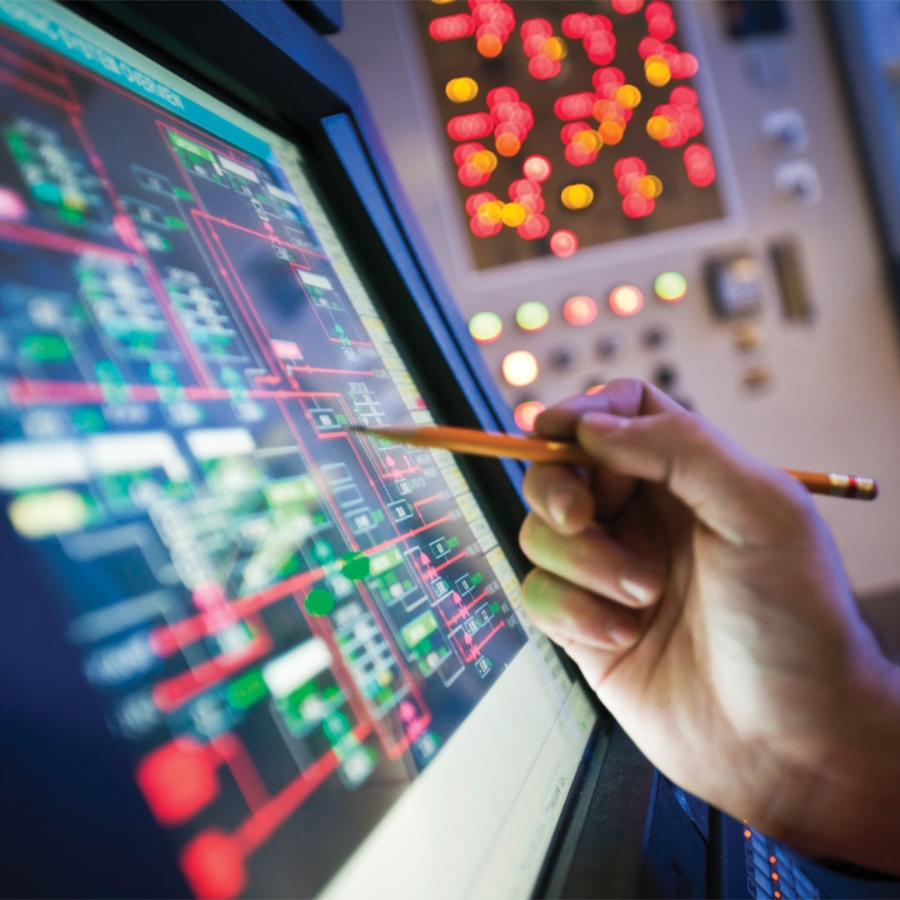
(741, 498)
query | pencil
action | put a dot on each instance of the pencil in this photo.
(506, 446)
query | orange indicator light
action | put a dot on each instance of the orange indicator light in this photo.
(485, 327)
(772, 860)
(489, 45)
(626, 300)
(581, 310)
(525, 414)
(520, 368)
(748, 833)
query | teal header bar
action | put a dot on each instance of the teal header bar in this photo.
(37, 19)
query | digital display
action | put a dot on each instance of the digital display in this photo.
(287, 620)
(567, 123)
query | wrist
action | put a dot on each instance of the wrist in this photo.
(844, 802)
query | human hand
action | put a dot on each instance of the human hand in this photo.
(703, 598)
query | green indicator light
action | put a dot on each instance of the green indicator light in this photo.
(319, 602)
(670, 287)
(485, 327)
(46, 348)
(355, 565)
(532, 316)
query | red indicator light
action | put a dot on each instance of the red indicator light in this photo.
(534, 227)
(535, 27)
(542, 68)
(525, 414)
(574, 106)
(626, 300)
(563, 243)
(475, 201)
(214, 866)
(537, 168)
(471, 125)
(580, 310)
(699, 165)
(501, 95)
(577, 25)
(627, 7)
(449, 28)
(178, 780)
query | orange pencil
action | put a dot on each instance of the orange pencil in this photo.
(485, 443)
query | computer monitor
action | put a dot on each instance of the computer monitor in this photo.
(307, 641)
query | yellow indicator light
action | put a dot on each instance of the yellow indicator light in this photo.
(626, 300)
(532, 316)
(658, 127)
(483, 160)
(491, 212)
(577, 196)
(670, 287)
(513, 214)
(590, 140)
(462, 90)
(485, 327)
(628, 96)
(650, 187)
(48, 512)
(520, 368)
(657, 72)
(554, 48)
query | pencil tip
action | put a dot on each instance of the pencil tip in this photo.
(357, 428)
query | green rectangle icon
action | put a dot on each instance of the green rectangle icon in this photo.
(419, 629)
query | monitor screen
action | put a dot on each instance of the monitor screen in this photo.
(569, 123)
(308, 638)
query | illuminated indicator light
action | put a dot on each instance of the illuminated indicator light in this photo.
(772, 860)
(670, 287)
(450, 28)
(699, 165)
(12, 206)
(534, 227)
(470, 175)
(485, 327)
(355, 565)
(661, 27)
(774, 876)
(626, 300)
(489, 45)
(577, 196)
(580, 310)
(520, 368)
(533, 27)
(513, 215)
(441, 2)
(777, 895)
(658, 127)
(577, 25)
(39, 514)
(658, 73)
(525, 414)
(649, 187)
(532, 316)
(464, 152)
(319, 602)
(595, 389)
(178, 780)
(611, 132)
(491, 212)
(480, 228)
(628, 95)
(573, 106)
(555, 48)
(469, 126)
(590, 140)
(213, 865)
(507, 144)
(542, 67)
(748, 833)
(563, 243)
(627, 7)
(483, 160)
(537, 168)
(628, 165)
(685, 65)
(501, 95)
(461, 90)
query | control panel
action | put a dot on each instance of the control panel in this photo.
(661, 190)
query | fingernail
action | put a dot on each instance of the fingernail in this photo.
(642, 584)
(560, 505)
(624, 633)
